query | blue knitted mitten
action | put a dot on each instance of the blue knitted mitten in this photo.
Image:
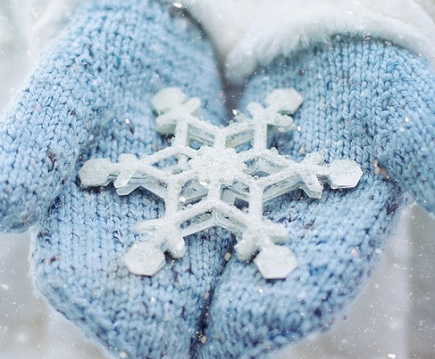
(90, 98)
(368, 101)
(364, 100)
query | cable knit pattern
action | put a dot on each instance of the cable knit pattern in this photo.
(364, 100)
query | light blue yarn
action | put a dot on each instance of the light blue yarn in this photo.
(364, 100)
(110, 63)
(104, 70)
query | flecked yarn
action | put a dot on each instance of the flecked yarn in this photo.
(90, 98)
(365, 100)
(115, 57)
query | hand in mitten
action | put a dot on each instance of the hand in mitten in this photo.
(365, 100)
(90, 98)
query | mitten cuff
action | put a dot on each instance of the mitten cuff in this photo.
(248, 33)
(251, 33)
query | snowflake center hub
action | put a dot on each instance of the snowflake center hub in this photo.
(220, 164)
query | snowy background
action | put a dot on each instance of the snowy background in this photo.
(393, 318)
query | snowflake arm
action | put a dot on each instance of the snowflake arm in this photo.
(212, 176)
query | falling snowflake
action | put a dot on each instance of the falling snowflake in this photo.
(213, 176)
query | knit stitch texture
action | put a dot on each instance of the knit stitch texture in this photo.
(364, 100)
(89, 98)
(126, 54)
(115, 57)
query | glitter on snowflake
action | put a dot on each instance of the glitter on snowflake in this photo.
(212, 176)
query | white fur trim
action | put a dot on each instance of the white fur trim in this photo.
(225, 21)
(248, 33)
(268, 28)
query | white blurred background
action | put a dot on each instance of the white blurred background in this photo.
(393, 318)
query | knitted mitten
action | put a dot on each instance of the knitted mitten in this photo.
(90, 98)
(365, 100)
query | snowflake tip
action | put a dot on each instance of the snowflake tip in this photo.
(275, 262)
(344, 174)
(167, 99)
(258, 237)
(95, 172)
(283, 123)
(144, 259)
(173, 106)
(285, 100)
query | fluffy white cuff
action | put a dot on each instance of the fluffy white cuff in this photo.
(248, 33)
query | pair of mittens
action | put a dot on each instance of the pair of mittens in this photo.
(367, 101)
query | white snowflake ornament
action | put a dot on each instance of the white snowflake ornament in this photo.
(212, 176)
